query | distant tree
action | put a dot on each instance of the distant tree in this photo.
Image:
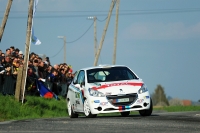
(159, 97)
(175, 102)
(199, 100)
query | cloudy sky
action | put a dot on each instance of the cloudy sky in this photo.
(158, 39)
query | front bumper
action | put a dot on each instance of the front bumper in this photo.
(108, 104)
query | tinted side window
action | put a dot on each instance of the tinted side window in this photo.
(75, 81)
(81, 77)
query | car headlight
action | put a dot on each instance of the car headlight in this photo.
(95, 93)
(143, 89)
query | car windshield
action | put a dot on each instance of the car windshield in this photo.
(109, 74)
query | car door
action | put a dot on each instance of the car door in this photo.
(79, 91)
(72, 90)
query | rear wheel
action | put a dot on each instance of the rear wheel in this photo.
(125, 114)
(147, 112)
(70, 111)
(87, 110)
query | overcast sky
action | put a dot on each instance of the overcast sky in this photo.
(158, 39)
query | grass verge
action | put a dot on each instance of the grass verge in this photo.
(38, 107)
(34, 107)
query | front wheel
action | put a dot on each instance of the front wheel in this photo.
(87, 110)
(125, 114)
(147, 112)
(70, 111)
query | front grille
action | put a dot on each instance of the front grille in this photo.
(115, 99)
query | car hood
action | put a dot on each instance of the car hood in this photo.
(117, 87)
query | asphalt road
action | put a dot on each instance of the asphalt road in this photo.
(185, 122)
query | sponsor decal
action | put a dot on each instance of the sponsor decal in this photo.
(118, 84)
(74, 89)
(104, 103)
(140, 101)
(77, 95)
(95, 101)
(146, 97)
(108, 93)
(77, 102)
(124, 108)
(121, 92)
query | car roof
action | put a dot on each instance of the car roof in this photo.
(102, 66)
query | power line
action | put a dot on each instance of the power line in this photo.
(82, 35)
(102, 20)
(104, 11)
(73, 41)
(57, 52)
(128, 12)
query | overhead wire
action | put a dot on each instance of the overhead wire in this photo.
(122, 13)
(82, 35)
(57, 52)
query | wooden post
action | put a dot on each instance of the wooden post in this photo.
(104, 32)
(18, 91)
(95, 36)
(27, 47)
(3, 25)
(116, 31)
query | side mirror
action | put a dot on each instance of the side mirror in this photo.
(82, 84)
(140, 79)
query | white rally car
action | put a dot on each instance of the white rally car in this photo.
(107, 89)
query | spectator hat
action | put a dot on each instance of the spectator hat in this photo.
(70, 71)
(20, 52)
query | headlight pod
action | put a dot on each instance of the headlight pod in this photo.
(95, 93)
(143, 89)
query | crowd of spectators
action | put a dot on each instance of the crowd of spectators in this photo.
(55, 77)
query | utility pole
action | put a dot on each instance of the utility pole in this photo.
(3, 25)
(65, 43)
(116, 31)
(27, 47)
(104, 33)
(94, 18)
(95, 36)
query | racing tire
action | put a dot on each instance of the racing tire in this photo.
(87, 110)
(125, 114)
(71, 113)
(147, 112)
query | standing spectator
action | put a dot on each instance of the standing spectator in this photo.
(63, 83)
(1, 75)
(47, 60)
(16, 51)
(0, 53)
(30, 82)
(69, 78)
(12, 50)
(9, 81)
(35, 67)
(8, 52)
(20, 55)
(3, 54)
(54, 80)
(7, 60)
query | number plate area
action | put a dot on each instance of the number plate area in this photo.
(124, 100)
(121, 100)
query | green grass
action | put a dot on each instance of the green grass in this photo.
(39, 107)
(35, 107)
(178, 108)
